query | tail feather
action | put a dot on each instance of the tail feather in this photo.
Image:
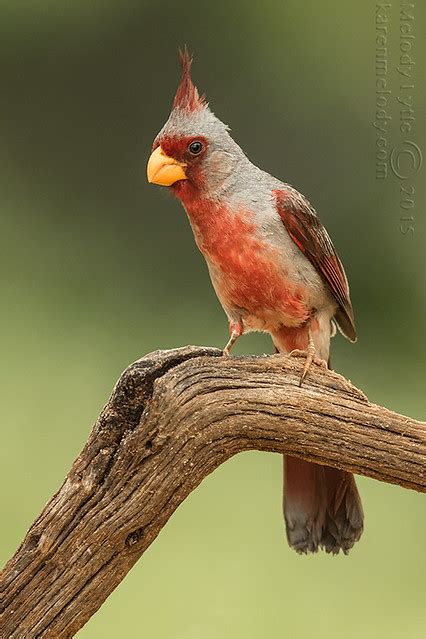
(322, 507)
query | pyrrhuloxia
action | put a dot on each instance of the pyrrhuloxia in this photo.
(274, 269)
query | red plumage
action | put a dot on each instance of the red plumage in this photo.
(187, 97)
(275, 269)
(244, 268)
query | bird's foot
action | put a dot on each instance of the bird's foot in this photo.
(236, 329)
(227, 350)
(310, 358)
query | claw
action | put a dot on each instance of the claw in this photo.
(310, 355)
(310, 358)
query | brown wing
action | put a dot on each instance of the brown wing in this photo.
(312, 239)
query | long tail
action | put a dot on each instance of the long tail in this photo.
(322, 507)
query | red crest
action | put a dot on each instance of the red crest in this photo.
(187, 96)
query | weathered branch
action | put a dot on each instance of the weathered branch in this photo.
(173, 417)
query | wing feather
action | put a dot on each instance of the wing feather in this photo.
(309, 235)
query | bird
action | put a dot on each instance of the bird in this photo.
(274, 269)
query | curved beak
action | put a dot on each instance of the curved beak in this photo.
(163, 169)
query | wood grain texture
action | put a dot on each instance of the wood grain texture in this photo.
(172, 418)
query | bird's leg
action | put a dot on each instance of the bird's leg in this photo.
(236, 329)
(310, 355)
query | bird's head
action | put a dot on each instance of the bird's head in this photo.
(193, 153)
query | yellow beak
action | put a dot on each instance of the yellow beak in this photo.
(164, 170)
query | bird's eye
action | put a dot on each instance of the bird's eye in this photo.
(195, 148)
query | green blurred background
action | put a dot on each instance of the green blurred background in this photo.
(98, 268)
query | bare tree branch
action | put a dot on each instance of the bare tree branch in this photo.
(173, 417)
